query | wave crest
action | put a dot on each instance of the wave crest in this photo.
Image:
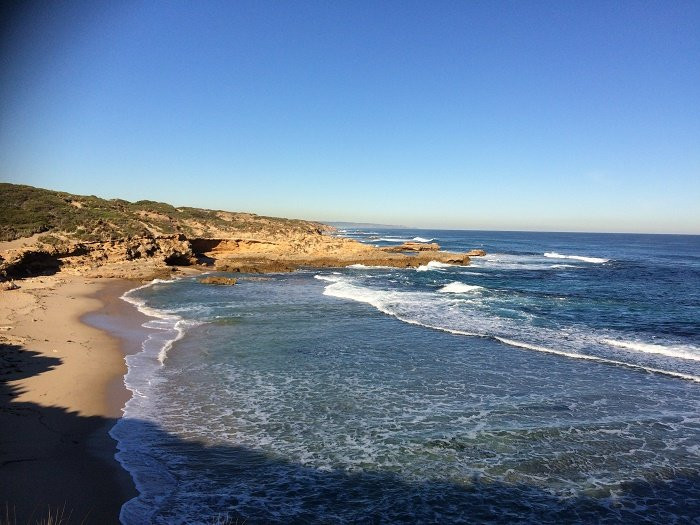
(678, 352)
(458, 287)
(584, 258)
(434, 265)
(436, 311)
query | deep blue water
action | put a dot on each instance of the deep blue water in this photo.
(555, 380)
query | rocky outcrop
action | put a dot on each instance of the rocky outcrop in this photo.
(153, 253)
(221, 281)
(289, 263)
(476, 253)
(149, 257)
(411, 246)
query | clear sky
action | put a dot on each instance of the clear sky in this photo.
(481, 115)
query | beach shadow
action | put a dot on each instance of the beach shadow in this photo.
(248, 486)
(62, 468)
(34, 264)
(53, 461)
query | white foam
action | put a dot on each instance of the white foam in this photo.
(458, 287)
(391, 239)
(507, 261)
(169, 320)
(679, 352)
(418, 308)
(598, 359)
(399, 239)
(434, 265)
(141, 377)
(596, 260)
(329, 278)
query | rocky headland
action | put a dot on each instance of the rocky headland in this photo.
(43, 232)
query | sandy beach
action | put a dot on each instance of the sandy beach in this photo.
(62, 390)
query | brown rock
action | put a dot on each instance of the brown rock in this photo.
(476, 253)
(246, 265)
(226, 281)
(411, 246)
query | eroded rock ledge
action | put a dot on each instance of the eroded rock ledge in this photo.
(156, 256)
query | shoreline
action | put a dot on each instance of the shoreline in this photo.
(64, 340)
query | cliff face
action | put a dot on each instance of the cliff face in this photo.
(47, 231)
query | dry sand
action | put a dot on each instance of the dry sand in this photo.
(61, 388)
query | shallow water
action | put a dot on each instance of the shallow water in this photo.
(525, 387)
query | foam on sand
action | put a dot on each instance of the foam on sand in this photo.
(172, 326)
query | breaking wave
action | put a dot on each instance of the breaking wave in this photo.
(171, 327)
(441, 312)
(458, 287)
(399, 239)
(595, 260)
(434, 265)
(676, 351)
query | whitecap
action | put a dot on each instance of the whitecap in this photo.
(393, 239)
(458, 287)
(433, 311)
(598, 359)
(329, 278)
(505, 261)
(584, 258)
(434, 265)
(400, 239)
(679, 352)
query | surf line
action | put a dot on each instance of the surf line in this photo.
(514, 343)
(162, 321)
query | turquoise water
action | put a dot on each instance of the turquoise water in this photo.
(556, 380)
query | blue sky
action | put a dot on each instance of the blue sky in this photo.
(576, 116)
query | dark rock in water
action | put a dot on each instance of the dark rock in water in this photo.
(225, 281)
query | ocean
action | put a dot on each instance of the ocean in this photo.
(556, 380)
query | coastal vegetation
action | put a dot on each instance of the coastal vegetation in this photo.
(27, 210)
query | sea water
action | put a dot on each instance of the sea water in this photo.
(555, 380)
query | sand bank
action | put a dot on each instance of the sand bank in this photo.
(61, 390)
